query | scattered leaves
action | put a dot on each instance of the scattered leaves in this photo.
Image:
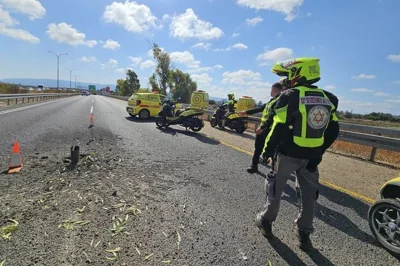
(115, 253)
(148, 256)
(179, 238)
(70, 224)
(119, 225)
(79, 211)
(7, 230)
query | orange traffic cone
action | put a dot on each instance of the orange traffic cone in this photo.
(91, 120)
(15, 161)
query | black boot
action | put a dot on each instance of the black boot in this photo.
(304, 241)
(264, 226)
(252, 169)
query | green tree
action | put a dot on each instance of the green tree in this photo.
(182, 85)
(260, 103)
(161, 75)
(154, 83)
(120, 86)
(132, 83)
(143, 90)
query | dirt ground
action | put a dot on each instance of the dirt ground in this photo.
(72, 216)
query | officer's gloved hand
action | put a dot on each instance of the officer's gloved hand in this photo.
(313, 163)
(265, 157)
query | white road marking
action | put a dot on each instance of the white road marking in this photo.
(26, 107)
(91, 110)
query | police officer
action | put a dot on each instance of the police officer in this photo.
(263, 129)
(304, 126)
(231, 107)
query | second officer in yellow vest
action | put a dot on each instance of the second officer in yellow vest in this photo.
(304, 127)
(263, 130)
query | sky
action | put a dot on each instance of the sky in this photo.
(226, 45)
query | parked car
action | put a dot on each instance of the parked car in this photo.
(145, 105)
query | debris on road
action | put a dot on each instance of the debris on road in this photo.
(7, 230)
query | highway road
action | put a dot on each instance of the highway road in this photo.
(187, 197)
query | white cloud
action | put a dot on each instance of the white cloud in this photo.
(199, 70)
(205, 46)
(364, 76)
(393, 100)
(278, 54)
(88, 59)
(203, 69)
(120, 70)
(65, 33)
(6, 20)
(185, 58)
(166, 17)
(135, 60)
(309, 14)
(362, 90)
(240, 77)
(397, 82)
(238, 46)
(189, 25)
(254, 21)
(382, 94)
(234, 35)
(32, 8)
(111, 44)
(147, 64)
(203, 79)
(287, 7)
(279, 34)
(394, 57)
(132, 16)
(6, 28)
(19, 34)
(330, 87)
(111, 63)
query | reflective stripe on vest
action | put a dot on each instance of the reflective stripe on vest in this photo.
(267, 110)
(315, 110)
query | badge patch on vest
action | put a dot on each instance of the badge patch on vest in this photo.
(318, 117)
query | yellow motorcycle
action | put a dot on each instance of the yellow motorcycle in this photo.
(171, 115)
(384, 217)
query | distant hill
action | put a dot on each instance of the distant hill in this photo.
(65, 84)
(53, 83)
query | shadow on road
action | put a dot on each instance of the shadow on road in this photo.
(245, 134)
(199, 136)
(139, 120)
(334, 218)
(285, 252)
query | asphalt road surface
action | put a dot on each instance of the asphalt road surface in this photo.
(188, 198)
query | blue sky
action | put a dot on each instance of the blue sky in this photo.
(226, 45)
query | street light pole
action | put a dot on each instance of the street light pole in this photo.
(75, 80)
(58, 66)
(70, 77)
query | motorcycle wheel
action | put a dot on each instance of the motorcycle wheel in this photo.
(159, 122)
(384, 225)
(196, 129)
(213, 122)
(240, 130)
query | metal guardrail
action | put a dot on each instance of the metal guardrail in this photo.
(353, 133)
(33, 96)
